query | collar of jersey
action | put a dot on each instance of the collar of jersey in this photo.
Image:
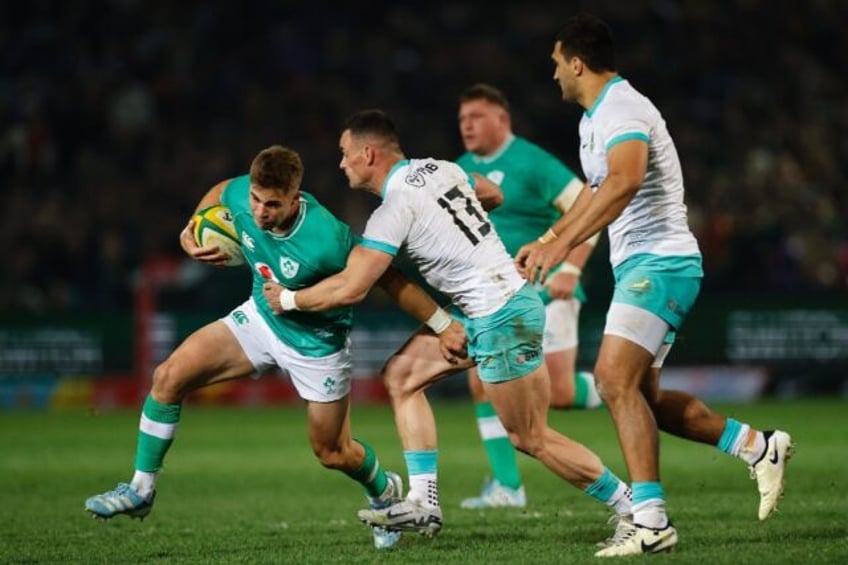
(612, 81)
(501, 150)
(301, 214)
(392, 171)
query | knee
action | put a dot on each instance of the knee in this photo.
(396, 378)
(168, 386)
(611, 386)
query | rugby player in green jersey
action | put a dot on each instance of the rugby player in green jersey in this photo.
(286, 236)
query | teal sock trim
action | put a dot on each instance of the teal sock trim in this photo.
(728, 436)
(604, 487)
(421, 462)
(642, 492)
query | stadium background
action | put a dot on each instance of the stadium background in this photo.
(115, 117)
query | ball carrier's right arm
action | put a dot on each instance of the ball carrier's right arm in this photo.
(209, 254)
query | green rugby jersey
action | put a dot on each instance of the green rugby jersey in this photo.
(531, 180)
(316, 247)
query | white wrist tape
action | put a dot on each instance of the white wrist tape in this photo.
(439, 321)
(287, 300)
(567, 267)
(569, 194)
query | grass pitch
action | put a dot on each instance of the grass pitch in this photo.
(242, 486)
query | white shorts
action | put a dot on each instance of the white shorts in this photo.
(561, 320)
(642, 327)
(317, 379)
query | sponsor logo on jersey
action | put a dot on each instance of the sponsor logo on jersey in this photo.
(265, 271)
(289, 267)
(496, 177)
(247, 241)
(415, 180)
(416, 177)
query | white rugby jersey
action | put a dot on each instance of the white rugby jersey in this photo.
(655, 220)
(430, 207)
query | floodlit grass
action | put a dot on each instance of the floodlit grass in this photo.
(242, 486)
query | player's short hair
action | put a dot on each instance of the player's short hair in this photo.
(373, 123)
(483, 91)
(590, 38)
(277, 167)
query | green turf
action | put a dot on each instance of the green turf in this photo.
(242, 486)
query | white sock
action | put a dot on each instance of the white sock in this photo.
(754, 452)
(425, 489)
(143, 483)
(622, 500)
(650, 514)
(740, 439)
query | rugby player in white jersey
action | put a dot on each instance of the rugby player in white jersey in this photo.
(535, 188)
(635, 188)
(430, 209)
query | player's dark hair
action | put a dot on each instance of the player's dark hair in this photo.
(373, 123)
(483, 91)
(590, 38)
(277, 167)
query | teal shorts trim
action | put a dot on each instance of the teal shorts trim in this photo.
(507, 345)
(666, 286)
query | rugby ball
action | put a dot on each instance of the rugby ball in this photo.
(214, 226)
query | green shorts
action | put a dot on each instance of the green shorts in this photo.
(664, 286)
(507, 345)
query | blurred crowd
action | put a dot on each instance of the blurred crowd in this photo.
(116, 116)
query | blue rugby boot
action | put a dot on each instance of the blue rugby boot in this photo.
(123, 500)
(383, 538)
